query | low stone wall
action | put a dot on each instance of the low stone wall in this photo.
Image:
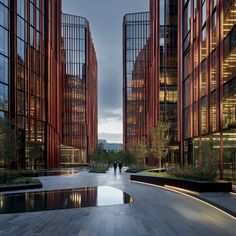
(15, 187)
(192, 185)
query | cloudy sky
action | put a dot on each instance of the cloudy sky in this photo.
(105, 17)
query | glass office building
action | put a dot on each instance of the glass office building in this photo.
(79, 118)
(163, 80)
(136, 74)
(207, 78)
(29, 76)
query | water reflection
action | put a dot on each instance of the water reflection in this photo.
(62, 199)
(59, 172)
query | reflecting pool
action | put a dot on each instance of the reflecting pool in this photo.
(63, 199)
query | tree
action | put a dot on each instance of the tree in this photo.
(141, 152)
(128, 156)
(9, 145)
(100, 154)
(35, 153)
(160, 141)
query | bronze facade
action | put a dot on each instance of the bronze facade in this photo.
(136, 74)
(79, 119)
(30, 77)
(163, 80)
(206, 84)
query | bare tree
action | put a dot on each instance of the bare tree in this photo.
(160, 141)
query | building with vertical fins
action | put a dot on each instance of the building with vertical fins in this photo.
(150, 74)
(136, 75)
(207, 85)
(30, 83)
(79, 114)
(163, 71)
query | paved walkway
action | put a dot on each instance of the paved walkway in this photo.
(154, 212)
(225, 201)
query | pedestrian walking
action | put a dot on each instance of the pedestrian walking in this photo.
(115, 167)
(120, 166)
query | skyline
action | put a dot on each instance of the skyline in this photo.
(108, 45)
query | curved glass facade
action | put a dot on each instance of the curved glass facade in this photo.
(26, 27)
(79, 107)
(136, 36)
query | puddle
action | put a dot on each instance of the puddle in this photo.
(63, 199)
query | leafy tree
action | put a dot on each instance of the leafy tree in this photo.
(141, 152)
(160, 141)
(35, 152)
(100, 155)
(129, 156)
(9, 145)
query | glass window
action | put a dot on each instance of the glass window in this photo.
(213, 111)
(4, 2)
(188, 123)
(31, 36)
(31, 14)
(82, 45)
(214, 3)
(203, 115)
(20, 103)
(204, 50)
(20, 77)
(32, 107)
(203, 79)
(213, 71)
(229, 68)
(214, 30)
(38, 4)
(171, 96)
(3, 69)
(187, 67)
(3, 41)
(187, 19)
(37, 40)
(204, 13)
(20, 28)
(3, 97)
(195, 117)
(20, 51)
(229, 111)
(195, 8)
(37, 62)
(3, 16)
(187, 92)
(162, 12)
(37, 19)
(21, 8)
(195, 86)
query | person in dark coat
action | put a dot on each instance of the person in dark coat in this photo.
(120, 166)
(115, 167)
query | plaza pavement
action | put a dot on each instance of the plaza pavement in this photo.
(155, 211)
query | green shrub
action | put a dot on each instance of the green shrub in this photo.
(137, 168)
(99, 168)
(23, 181)
(7, 177)
(195, 173)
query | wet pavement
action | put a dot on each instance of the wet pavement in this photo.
(154, 211)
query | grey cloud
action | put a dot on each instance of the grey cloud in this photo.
(105, 17)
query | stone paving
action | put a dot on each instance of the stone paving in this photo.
(154, 212)
(225, 200)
